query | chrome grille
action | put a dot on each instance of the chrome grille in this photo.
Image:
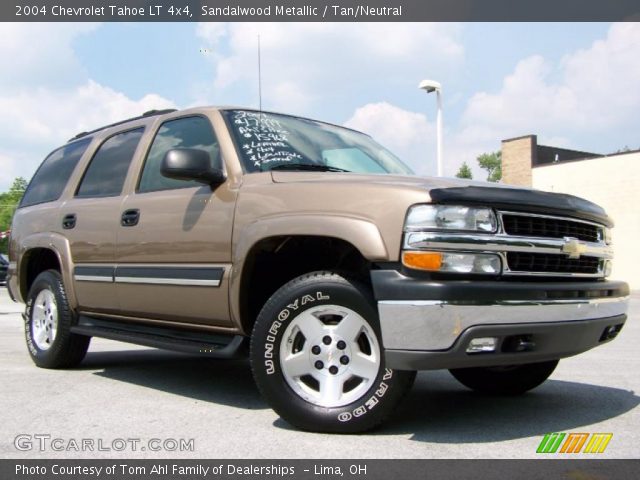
(529, 245)
(549, 263)
(550, 227)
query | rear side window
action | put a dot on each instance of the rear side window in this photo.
(49, 181)
(188, 132)
(108, 169)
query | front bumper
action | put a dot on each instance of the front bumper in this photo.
(429, 324)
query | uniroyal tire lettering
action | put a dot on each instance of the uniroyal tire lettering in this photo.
(275, 327)
(371, 402)
(382, 390)
(270, 367)
(344, 417)
(28, 331)
(358, 412)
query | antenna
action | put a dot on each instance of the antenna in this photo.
(259, 77)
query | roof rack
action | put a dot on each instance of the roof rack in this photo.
(150, 113)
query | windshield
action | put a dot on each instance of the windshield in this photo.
(268, 141)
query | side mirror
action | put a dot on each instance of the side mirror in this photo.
(191, 164)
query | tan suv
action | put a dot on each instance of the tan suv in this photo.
(207, 229)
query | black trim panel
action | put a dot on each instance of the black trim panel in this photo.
(173, 273)
(92, 271)
(519, 199)
(550, 341)
(393, 285)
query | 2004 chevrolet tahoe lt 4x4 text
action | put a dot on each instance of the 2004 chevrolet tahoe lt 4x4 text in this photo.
(207, 229)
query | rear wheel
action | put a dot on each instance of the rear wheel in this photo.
(317, 358)
(48, 323)
(507, 380)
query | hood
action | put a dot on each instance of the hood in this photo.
(381, 179)
(455, 190)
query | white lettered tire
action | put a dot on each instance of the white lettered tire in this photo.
(317, 357)
(48, 320)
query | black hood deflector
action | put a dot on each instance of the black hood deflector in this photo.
(524, 200)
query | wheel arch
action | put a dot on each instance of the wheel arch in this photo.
(348, 244)
(42, 252)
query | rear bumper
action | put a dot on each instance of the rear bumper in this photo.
(428, 324)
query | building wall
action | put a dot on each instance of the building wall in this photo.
(614, 183)
(517, 158)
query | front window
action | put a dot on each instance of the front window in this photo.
(268, 141)
(186, 132)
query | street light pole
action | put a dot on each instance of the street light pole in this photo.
(433, 86)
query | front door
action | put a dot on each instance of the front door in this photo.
(174, 239)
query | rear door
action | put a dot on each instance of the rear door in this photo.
(174, 236)
(90, 220)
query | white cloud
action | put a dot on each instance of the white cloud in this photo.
(44, 115)
(591, 90)
(588, 91)
(46, 96)
(40, 119)
(337, 59)
(40, 53)
(8, 171)
(408, 134)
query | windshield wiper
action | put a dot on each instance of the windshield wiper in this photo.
(308, 166)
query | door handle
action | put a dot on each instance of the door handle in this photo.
(130, 218)
(69, 221)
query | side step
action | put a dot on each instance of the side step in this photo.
(186, 341)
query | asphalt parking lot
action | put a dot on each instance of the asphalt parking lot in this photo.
(135, 394)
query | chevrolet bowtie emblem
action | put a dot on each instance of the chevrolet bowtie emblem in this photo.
(573, 247)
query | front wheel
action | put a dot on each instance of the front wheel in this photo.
(317, 358)
(508, 380)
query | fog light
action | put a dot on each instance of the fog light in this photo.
(608, 265)
(482, 344)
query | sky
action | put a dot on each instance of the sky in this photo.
(575, 85)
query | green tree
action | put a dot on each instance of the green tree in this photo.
(492, 163)
(464, 171)
(8, 204)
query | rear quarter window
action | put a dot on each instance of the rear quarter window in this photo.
(50, 179)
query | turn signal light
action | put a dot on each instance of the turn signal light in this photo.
(422, 260)
(453, 262)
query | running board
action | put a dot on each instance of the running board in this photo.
(186, 341)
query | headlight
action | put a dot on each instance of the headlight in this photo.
(608, 239)
(451, 217)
